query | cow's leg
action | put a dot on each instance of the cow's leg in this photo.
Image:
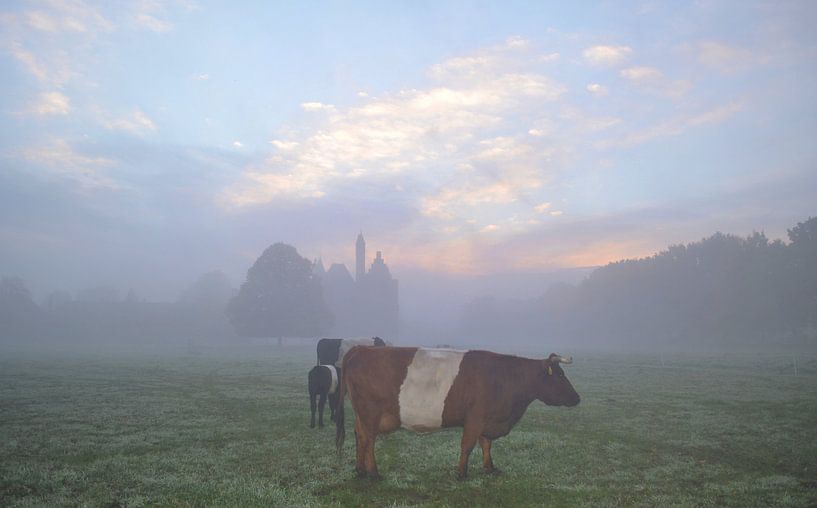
(333, 404)
(487, 462)
(371, 466)
(321, 405)
(312, 396)
(470, 434)
(360, 449)
(366, 430)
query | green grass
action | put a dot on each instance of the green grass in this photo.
(231, 428)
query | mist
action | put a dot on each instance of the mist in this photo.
(580, 235)
(543, 179)
(723, 292)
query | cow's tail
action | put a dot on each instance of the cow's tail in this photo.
(340, 428)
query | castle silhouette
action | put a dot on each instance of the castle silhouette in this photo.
(366, 305)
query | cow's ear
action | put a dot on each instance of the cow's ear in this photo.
(548, 366)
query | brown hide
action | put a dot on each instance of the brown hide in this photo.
(374, 384)
(487, 398)
(492, 390)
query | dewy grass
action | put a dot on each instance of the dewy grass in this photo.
(231, 428)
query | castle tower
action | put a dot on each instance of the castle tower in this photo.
(360, 257)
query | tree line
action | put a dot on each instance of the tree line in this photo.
(280, 297)
(100, 314)
(721, 291)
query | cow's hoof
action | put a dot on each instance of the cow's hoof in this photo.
(320, 425)
(311, 425)
(361, 473)
(375, 476)
(495, 471)
(462, 476)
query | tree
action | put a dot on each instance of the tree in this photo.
(212, 290)
(98, 294)
(20, 317)
(280, 298)
(201, 308)
(801, 274)
(57, 299)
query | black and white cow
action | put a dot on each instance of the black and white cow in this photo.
(332, 351)
(323, 382)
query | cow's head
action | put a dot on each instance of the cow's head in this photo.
(377, 341)
(553, 387)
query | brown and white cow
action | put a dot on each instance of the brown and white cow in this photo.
(423, 390)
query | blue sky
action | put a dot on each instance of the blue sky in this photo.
(144, 143)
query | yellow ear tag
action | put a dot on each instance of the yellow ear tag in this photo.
(550, 371)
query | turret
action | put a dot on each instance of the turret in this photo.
(360, 258)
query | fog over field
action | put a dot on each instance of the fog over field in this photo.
(487, 150)
(193, 193)
(491, 152)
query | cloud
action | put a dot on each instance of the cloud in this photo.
(67, 16)
(516, 42)
(284, 145)
(449, 203)
(571, 240)
(137, 123)
(151, 14)
(584, 123)
(642, 74)
(716, 115)
(484, 146)
(501, 148)
(316, 106)
(52, 103)
(438, 145)
(61, 159)
(591, 240)
(724, 57)
(56, 39)
(542, 207)
(486, 60)
(152, 23)
(653, 80)
(53, 68)
(411, 134)
(30, 61)
(606, 55)
(673, 126)
(467, 66)
(52, 39)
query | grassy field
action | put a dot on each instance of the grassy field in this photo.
(231, 428)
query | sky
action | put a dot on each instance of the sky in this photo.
(145, 143)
